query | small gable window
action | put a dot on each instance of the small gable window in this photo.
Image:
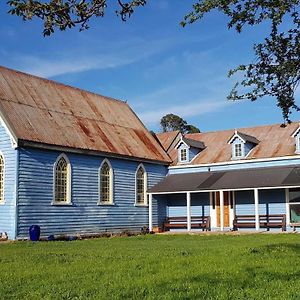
(1, 179)
(141, 186)
(106, 183)
(183, 154)
(238, 150)
(62, 174)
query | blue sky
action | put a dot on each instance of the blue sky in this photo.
(149, 61)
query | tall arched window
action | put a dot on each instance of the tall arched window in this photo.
(141, 186)
(106, 183)
(1, 179)
(62, 180)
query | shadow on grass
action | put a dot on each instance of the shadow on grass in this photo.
(276, 248)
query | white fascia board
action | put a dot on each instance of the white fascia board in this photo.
(13, 138)
(242, 161)
(296, 132)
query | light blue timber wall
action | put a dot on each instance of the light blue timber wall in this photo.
(193, 152)
(7, 209)
(84, 215)
(176, 205)
(235, 165)
(270, 202)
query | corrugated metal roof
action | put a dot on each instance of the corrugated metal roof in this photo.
(230, 180)
(167, 138)
(274, 141)
(194, 143)
(47, 112)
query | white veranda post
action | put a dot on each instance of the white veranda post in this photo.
(222, 210)
(150, 213)
(188, 206)
(256, 201)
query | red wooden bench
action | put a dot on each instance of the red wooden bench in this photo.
(201, 222)
(265, 221)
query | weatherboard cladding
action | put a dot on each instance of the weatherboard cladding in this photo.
(84, 215)
(7, 209)
(46, 112)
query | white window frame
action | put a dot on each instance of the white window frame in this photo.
(145, 186)
(289, 222)
(297, 144)
(69, 181)
(2, 196)
(241, 150)
(111, 184)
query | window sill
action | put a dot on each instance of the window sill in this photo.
(61, 204)
(105, 204)
(141, 205)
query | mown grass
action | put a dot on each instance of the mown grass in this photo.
(154, 267)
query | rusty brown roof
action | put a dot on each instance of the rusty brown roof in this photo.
(46, 112)
(167, 138)
(274, 141)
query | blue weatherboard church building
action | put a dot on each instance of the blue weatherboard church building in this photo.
(74, 162)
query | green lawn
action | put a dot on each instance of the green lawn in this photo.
(154, 267)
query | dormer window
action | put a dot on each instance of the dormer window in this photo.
(242, 144)
(188, 149)
(296, 135)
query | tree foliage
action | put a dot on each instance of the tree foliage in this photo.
(64, 14)
(275, 70)
(171, 122)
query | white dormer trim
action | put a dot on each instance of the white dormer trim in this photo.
(296, 131)
(236, 135)
(296, 136)
(182, 141)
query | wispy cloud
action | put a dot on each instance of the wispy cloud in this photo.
(195, 108)
(91, 58)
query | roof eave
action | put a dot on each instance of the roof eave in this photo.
(32, 144)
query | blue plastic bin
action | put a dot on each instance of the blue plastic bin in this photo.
(34, 233)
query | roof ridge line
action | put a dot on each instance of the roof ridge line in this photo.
(62, 84)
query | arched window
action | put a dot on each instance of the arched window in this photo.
(141, 186)
(1, 179)
(62, 180)
(106, 183)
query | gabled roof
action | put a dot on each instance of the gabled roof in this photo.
(44, 112)
(274, 141)
(244, 137)
(192, 143)
(168, 138)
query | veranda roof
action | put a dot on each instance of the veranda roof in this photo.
(230, 180)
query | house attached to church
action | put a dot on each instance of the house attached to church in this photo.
(74, 162)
